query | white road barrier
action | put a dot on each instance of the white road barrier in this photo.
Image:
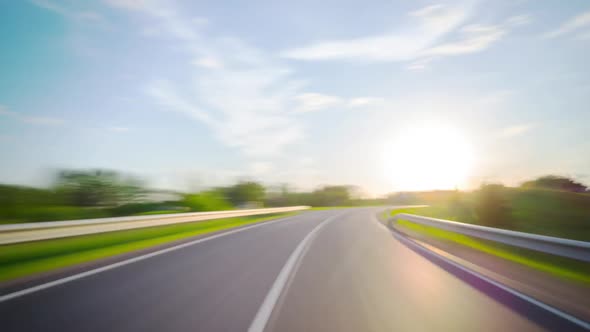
(16, 233)
(579, 250)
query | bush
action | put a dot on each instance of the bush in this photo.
(491, 206)
(206, 201)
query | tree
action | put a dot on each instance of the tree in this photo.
(330, 196)
(244, 192)
(555, 182)
(97, 187)
(491, 206)
(280, 195)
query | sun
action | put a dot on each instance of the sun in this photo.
(427, 158)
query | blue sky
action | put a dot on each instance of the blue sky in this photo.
(189, 94)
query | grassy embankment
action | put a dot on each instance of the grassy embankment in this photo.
(533, 211)
(19, 260)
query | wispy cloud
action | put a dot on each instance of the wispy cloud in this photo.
(4, 111)
(572, 25)
(166, 95)
(516, 130)
(69, 12)
(36, 120)
(361, 102)
(43, 120)
(311, 101)
(519, 20)
(428, 25)
(239, 92)
(316, 101)
(420, 41)
(247, 98)
(208, 62)
(118, 129)
(420, 64)
(475, 38)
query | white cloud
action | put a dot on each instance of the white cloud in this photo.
(251, 106)
(575, 23)
(419, 42)
(475, 38)
(365, 101)
(427, 11)
(118, 129)
(516, 130)
(208, 62)
(420, 64)
(309, 102)
(432, 23)
(71, 13)
(519, 20)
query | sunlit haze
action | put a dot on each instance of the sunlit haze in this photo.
(429, 157)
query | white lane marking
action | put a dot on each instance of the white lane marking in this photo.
(268, 305)
(514, 292)
(57, 282)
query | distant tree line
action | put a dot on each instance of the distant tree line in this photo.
(79, 194)
(493, 204)
(554, 182)
(94, 193)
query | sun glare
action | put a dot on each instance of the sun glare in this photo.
(428, 157)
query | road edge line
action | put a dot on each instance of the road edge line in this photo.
(522, 296)
(26, 291)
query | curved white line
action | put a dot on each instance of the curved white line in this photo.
(264, 312)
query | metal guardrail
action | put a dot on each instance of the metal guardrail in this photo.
(16, 233)
(579, 250)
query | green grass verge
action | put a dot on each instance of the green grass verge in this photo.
(558, 266)
(23, 259)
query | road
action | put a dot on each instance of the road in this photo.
(333, 270)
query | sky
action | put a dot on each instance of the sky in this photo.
(189, 94)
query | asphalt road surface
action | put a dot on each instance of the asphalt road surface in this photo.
(333, 270)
